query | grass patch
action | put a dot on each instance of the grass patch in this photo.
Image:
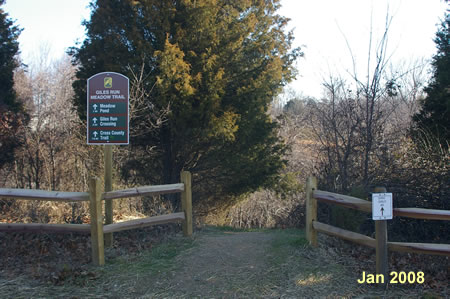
(230, 229)
(160, 258)
(285, 243)
(295, 268)
(218, 262)
(127, 276)
(285, 238)
(281, 254)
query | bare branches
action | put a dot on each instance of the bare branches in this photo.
(144, 114)
(336, 123)
(360, 122)
(53, 140)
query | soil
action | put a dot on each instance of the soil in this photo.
(218, 263)
(248, 264)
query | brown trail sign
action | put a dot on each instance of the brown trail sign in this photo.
(108, 123)
(107, 109)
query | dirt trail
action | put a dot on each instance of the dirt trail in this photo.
(275, 264)
(229, 265)
(219, 264)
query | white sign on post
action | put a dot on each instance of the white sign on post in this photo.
(381, 206)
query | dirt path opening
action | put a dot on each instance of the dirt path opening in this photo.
(218, 263)
(267, 264)
(231, 264)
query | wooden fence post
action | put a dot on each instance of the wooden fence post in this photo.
(186, 202)
(109, 211)
(95, 208)
(311, 210)
(381, 243)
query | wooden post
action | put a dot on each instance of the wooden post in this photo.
(381, 243)
(109, 211)
(311, 210)
(95, 207)
(186, 202)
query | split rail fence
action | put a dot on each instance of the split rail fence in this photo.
(95, 196)
(381, 242)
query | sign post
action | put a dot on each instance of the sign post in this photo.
(109, 207)
(108, 123)
(381, 211)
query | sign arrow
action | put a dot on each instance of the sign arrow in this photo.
(382, 210)
(94, 120)
(95, 107)
(95, 133)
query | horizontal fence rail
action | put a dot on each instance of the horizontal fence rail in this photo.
(143, 222)
(44, 227)
(344, 234)
(366, 206)
(419, 213)
(427, 248)
(96, 197)
(144, 191)
(343, 200)
(29, 194)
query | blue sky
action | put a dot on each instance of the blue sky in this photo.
(320, 26)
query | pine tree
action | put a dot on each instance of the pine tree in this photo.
(433, 119)
(11, 109)
(217, 64)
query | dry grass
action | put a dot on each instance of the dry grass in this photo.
(217, 263)
(261, 209)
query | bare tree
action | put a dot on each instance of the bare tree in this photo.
(335, 122)
(362, 120)
(370, 94)
(54, 154)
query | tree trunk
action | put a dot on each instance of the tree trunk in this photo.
(170, 169)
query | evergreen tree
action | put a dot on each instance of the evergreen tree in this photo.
(433, 119)
(11, 109)
(217, 64)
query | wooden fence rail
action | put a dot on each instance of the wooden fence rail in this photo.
(313, 226)
(44, 195)
(366, 206)
(96, 197)
(45, 227)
